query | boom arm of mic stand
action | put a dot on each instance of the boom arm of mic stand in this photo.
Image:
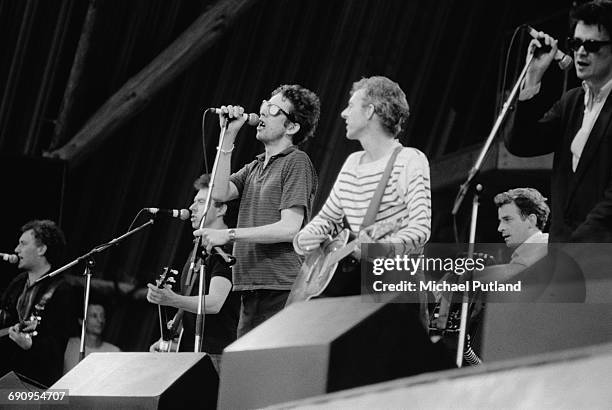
(92, 252)
(485, 149)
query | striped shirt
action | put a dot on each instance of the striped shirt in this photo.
(407, 197)
(288, 180)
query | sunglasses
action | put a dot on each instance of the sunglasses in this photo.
(590, 46)
(275, 110)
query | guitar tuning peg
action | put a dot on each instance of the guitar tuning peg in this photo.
(34, 333)
(171, 280)
(174, 271)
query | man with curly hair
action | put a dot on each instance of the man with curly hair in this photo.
(576, 128)
(374, 116)
(38, 356)
(276, 192)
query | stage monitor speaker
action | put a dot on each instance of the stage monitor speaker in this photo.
(13, 382)
(514, 330)
(325, 345)
(143, 381)
(571, 379)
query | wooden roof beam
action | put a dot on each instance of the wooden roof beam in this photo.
(140, 89)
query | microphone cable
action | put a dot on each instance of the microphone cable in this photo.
(204, 149)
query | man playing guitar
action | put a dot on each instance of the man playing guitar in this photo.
(222, 305)
(374, 116)
(39, 315)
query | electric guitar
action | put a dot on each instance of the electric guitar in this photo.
(319, 266)
(167, 277)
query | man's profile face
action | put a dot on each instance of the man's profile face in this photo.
(197, 208)
(28, 250)
(593, 66)
(514, 227)
(354, 115)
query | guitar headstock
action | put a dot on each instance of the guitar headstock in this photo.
(167, 277)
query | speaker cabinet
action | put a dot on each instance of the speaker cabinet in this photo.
(142, 380)
(514, 330)
(13, 382)
(324, 345)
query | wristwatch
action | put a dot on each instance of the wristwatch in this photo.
(232, 234)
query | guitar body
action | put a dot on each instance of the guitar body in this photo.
(320, 265)
(318, 269)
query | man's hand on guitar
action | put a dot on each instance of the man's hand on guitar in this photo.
(212, 237)
(308, 242)
(22, 337)
(364, 237)
(164, 297)
(156, 347)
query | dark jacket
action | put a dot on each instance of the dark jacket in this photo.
(581, 202)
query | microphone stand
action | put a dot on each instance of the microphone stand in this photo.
(466, 296)
(199, 328)
(463, 189)
(89, 264)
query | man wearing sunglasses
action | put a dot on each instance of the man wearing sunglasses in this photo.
(577, 128)
(276, 192)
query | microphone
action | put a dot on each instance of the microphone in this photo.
(251, 119)
(9, 257)
(182, 214)
(563, 60)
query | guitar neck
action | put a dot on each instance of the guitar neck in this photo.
(163, 323)
(176, 321)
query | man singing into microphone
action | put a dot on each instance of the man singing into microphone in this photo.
(222, 305)
(276, 192)
(39, 355)
(576, 128)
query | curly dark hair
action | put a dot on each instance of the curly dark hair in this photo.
(528, 201)
(47, 233)
(306, 109)
(388, 99)
(597, 12)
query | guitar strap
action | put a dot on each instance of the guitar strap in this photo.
(26, 299)
(346, 277)
(46, 296)
(370, 216)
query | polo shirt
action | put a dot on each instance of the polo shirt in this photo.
(288, 180)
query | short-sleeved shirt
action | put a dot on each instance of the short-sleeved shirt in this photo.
(219, 328)
(288, 180)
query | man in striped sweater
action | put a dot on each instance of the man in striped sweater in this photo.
(374, 116)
